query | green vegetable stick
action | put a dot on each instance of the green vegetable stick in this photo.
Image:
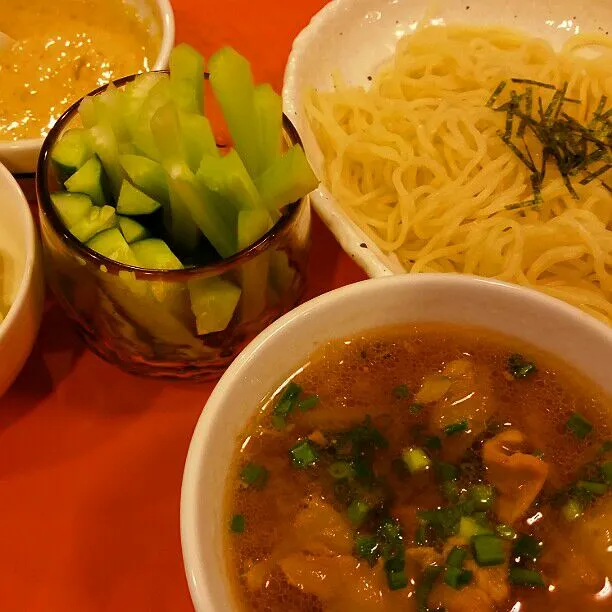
(213, 301)
(87, 112)
(166, 134)
(252, 225)
(288, 179)
(198, 139)
(203, 211)
(228, 177)
(232, 82)
(269, 111)
(148, 175)
(105, 145)
(109, 106)
(187, 79)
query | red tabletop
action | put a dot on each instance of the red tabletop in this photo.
(91, 459)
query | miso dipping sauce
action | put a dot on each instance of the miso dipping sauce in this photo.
(64, 49)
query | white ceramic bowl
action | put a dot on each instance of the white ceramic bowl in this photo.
(21, 278)
(21, 156)
(549, 324)
(357, 36)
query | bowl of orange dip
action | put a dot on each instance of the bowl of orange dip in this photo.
(52, 53)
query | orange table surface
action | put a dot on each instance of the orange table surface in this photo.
(91, 459)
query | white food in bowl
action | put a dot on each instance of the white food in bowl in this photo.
(524, 314)
(355, 37)
(21, 156)
(21, 279)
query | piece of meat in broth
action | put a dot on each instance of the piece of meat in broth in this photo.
(343, 583)
(517, 476)
(468, 396)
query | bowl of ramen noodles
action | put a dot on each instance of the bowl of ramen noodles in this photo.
(473, 138)
(418, 442)
(53, 53)
(21, 280)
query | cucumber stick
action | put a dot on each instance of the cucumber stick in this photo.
(228, 177)
(71, 207)
(288, 179)
(166, 134)
(213, 302)
(88, 180)
(111, 243)
(132, 201)
(269, 113)
(252, 225)
(106, 148)
(97, 220)
(231, 79)
(147, 175)
(187, 79)
(198, 139)
(71, 151)
(132, 230)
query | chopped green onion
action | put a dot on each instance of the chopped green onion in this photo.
(525, 577)
(505, 532)
(433, 442)
(415, 459)
(396, 579)
(278, 422)
(595, 488)
(457, 578)
(487, 550)
(424, 587)
(606, 471)
(367, 547)
(538, 453)
(572, 509)
(358, 511)
(415, 408)
(446, 471)
(527, 546)
(308, 403)
(340, 470)
(238, 523)
(303, 454)
(468, 527)
(401, 392)
(449, 491)
(456, 557)
(287, 401)
(578, 425)
(254, 475)
(482, 495)
(519, 367)
(455, 428)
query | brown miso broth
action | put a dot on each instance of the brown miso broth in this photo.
(385, 454)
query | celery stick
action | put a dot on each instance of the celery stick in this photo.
(269, 111)
(228, 177)
(166, 134)
(87, 112)
(203, 210)
(187, 79)
(252, 225)
(137, 92)
(288, 179)
(232, 82)
(147, 175)
(213, 302)
(198, 139)
(105, 146)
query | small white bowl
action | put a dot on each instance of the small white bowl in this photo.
(21, 156)
(525, 314)
(21, 276)
(356, 36)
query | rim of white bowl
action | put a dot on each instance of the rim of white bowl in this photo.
(30, 247)
(166, 14)
(207, 423)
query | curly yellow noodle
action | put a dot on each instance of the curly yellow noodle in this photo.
(417, 163)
